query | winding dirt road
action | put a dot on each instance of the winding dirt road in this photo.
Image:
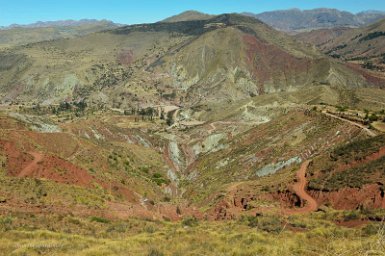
(32, 165)
(300, 190)
(363, 127)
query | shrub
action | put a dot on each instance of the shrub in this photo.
(149, 229)
(99, 219)
(341, 108)
(190, 222)
(353, 215)
(5, 223)
(373, 118)
(158, 179)
(370, 229)
(155, 252)
(266, 223)
(368, 65)
(372, 35)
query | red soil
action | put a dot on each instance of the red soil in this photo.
(28, 170)
(367, 159)
(264, 59)
(300, 190)
(56, 169)
(38, 165)
(238, 197)
(369, 196)
(370, 77)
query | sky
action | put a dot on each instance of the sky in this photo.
(146, 11)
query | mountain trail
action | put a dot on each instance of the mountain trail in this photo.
(300, 190)
(363, 127)
(32, 165)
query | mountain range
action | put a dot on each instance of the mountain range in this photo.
(252, 59)
(357, 46)
(296, 20)
(199, 134)
(14, 35)
(60, 23)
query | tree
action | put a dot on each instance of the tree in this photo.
(169, 121)
(368, 65)
(373, 117)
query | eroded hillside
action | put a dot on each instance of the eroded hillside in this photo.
(228, 57)
(120, 134)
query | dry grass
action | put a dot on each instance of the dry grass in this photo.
(136, 237)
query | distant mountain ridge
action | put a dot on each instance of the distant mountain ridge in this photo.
(16, 35)
(295, 20)
(363, 46)
(61, 23)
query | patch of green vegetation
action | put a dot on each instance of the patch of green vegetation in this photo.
(190, 222)
(6, 223)
(353, 178)
(99, 219)
(369, 65)
(37, 191)
(372, 35)
(358, 149)
(159, 179)
(270, 224)
(341, 108)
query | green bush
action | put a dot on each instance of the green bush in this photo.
(158, 179)
(370, 229)
(155, 252)
(99, 219)
(190, 222)
(352, 215)
(5, 223)
(372, 35)
(266, 223)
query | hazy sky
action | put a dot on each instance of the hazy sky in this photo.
(130, 11)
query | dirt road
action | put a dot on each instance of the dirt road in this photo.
(300, 190)
(32, 165)
(363, 127)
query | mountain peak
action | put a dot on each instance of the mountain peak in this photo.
(188, 15)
